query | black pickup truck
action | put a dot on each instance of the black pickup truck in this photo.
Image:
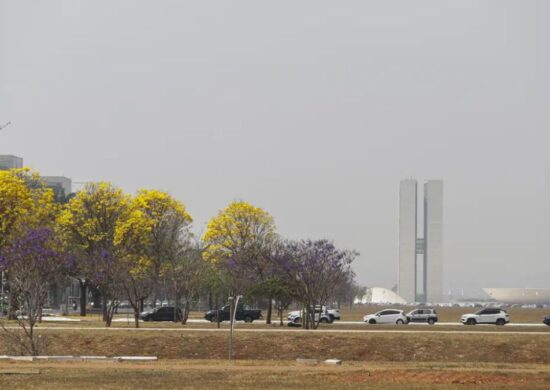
(243, 314)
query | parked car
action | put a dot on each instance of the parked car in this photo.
(486, 316)
(422, 315)
(243, 313)
(165, 313)
(388, 316)
(546, 320)
(321, 315)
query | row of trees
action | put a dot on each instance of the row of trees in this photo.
(119, 246)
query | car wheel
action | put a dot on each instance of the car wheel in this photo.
(399, 322)
(500, 321)
(471, 321)
(248, 319)
(431, 321)
(372, 321)
(324, 320)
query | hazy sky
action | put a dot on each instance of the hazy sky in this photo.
(313, 110)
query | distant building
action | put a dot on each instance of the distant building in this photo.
(61, 185)
(10, 162)
(430, 246)
(528, 296)
(433, 241)
(408, 221)
(380, 295)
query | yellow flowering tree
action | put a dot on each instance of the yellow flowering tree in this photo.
(88, 223)
(148, 238)
(239, 240)
(25, 202)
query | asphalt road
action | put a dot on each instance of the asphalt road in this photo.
(202, 321)
(403, 329)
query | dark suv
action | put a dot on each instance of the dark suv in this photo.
(422, 315)
(243, 313)
(165, 313)
(546, 320)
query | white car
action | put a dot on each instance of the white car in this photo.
(486, 316)
(387, 316)
(321, 315)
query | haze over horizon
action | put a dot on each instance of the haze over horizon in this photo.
(312, 110)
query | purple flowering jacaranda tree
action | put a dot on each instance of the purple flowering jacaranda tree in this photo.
(33, 262)
(314, 270)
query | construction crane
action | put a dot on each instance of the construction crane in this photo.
(6, 125)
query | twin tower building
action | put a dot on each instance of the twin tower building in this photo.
(421, 255)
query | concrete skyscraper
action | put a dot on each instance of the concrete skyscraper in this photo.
(407, 239)
(430, 246)
(433, 241)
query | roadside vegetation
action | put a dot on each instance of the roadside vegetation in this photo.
(141, 249)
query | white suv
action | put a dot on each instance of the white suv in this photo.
(321, 315)
(334, 313)
(486, 316)
(388, 316)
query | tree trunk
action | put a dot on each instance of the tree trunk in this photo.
(136, 317)
(185, 314)
(269, 311)
(104, 308)
(154, 304)
(281, 317)
(141, 305)
(83, 292)
(109, 312)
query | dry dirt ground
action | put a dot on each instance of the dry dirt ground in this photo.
(216, 374)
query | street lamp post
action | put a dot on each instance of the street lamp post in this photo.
(233, 304)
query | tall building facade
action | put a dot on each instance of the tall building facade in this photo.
(433, 241)
(430, 246)
(8, 161)
(408, 222)
(61, 185)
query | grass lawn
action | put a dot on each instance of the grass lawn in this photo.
(215, 374)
